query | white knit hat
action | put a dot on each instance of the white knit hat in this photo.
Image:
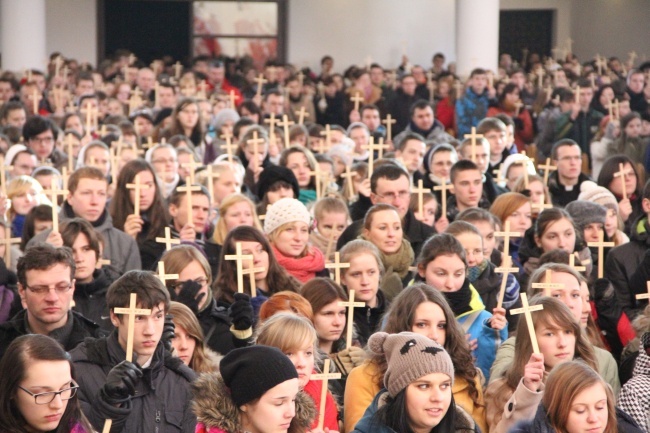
(286, 210)
(590, 191)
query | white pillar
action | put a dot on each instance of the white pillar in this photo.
(22, 32)
(477, 35)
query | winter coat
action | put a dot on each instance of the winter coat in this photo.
(369, 424)
(81, 329)
(120, 248)
(488, 286)
(368, 320)
(215, 411)
(218, 335)
(524, 133)
(313, 389)
(561, 195)
(90, 298)
(162, 400)
(581, 130)
(452, 206)
(6, 299)
(435, 135)
(470, 110)
(635, 395)
(623, 261)
(606, 364)
(520, 404)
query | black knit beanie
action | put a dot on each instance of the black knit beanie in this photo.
(251, 371)
(273, 174)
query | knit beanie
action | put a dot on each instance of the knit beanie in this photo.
(590, 191)
(341, 151)
(224, 115)
(286, 210)
(586, 212)
(251, 371)
(273, 174)
(409, 357)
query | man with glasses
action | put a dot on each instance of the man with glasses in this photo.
(564, 183)
(40, 136)
(389, 184)
(46, 286)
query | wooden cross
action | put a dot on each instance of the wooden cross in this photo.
(505, 269)
(239, 257)
(36, 99)
(473, 136)
(168, 240)
(622, 173)
(64, 177)
(285, 124)
(135, 100)
(525, 161)
(357, 99)
(301, 115)
(115, 162)
(251, 271)
(420, 191)
(328, 137)
(228, 147)
(499, 175)
(211, 176)
(572, 263)
(178, 67)
(546, 168)
(506, 234)
(527, 310)
(54, 193)
(162, 276)
(337, 265)
(632, 57)
(381, 147)
(3, 174)
(389, 121)
(541, 205)
(191, 167)
(431, 86)
(547, 285)
(255, 141)
(600, 63)
(370, 147)
(617, 109)
(349, 175)
(443, 189)
(601, 251)
(644, 295)
(350, 322)
(7, 242)
(188, 189)
(132, 311)
(260, 80)
(137, 187)
(324, 376)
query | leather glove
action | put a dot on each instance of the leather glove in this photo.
(241, 312)
(120, 382)
(168, 332)
(189, 295)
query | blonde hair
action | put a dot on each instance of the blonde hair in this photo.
(286, 331)
(220, 230)
(22, 185)
(358, 247)
(179, 257)
(202, 358)
(272, 237)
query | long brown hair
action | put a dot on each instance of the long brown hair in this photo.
(401, 316)
(184, 318)
(321, 292)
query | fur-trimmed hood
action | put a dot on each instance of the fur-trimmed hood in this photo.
(213, 407)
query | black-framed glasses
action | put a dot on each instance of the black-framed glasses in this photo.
(48, 397)
(202, 281)
(60, 289)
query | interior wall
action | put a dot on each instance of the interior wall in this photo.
(71, 28)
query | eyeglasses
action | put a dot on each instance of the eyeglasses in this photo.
(395, 195)
(201, 280)
(44, 140)
(164, 161)
(60, 289)
(48, 397)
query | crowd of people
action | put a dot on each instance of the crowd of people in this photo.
(315, 251)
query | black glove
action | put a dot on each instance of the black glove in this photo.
(189, 296)
(120, 382)
(241, 312)
(168, 332)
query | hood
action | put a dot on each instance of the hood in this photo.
(642, 366)
(640, 230)
(528, 248)
(213, 407)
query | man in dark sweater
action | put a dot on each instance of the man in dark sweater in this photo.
(564, 183)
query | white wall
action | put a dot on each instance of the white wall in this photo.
(72, 28)
(351, 30)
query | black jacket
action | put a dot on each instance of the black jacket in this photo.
(82, 328)
(416, 232)
(488, 285)
(162, 400)
(90, 298)
(559, 194)
(367, 320)
(215, 323)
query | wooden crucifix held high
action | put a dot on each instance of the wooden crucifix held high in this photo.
(168, 240)
(188, 189)
(389, 122)
(54, 192)
(337, 266)
(526, 310)
(137, 187)
(325, 376)
(473, 137)
(443, 191)
(548, 285)
(601, 245)
(350, 305)
(420, 191)
(505, 269)
(506, 234)
(239, 257)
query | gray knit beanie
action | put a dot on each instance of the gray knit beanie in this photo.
(409, 356)
(285, 210)
(586, 212)
(590, 191)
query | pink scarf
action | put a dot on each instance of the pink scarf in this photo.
(303, 268)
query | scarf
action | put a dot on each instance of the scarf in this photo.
(303, 268)
(17, 226)
(400, 261)
(460, 299)
(476, 271)
(319, 241)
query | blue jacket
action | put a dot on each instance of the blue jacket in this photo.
(474, 323)
(470, 110)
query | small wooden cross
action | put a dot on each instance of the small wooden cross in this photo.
(191, 167)
(350, 305)
(357, 99)
(324, 376)
(211, 177)
(349, 175)
(3, 174)
(7, 242)
(525, 161)
(420, 191)
(239, 257)
(137, 187)
(506, 234)
(473, 136)
(527, 310)
(228, 147)
(54, 193)
(337, 266)
(36, 99)
(505, 269)
(389, 121)
(644, 295)
(572, 263)
(168, 240)
(546, 168)
(260, 80)
(285, 124)
(541, 205)
(162, 276)
(547, 285)
(132, 311)
(601, 251)
(443, 189)
(370, 147)
(251, 271)
(622, 173)
(255, 141)
(188, 189)
(301, 115)
(328, 138)
(381, 147)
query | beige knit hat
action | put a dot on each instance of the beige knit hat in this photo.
(409, 356)
(590, 191)
(285, 210)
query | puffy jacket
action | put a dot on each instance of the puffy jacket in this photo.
(470, 110)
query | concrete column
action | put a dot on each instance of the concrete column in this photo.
(477, 35)
(22, 32)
